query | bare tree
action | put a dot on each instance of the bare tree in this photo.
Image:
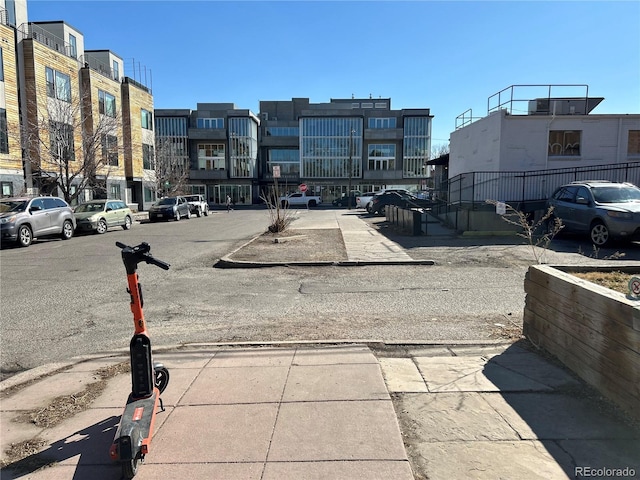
(71, 145)
(537, 234)
(439, 150)
(171, 168)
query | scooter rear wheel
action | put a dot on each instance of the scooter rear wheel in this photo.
(130, 467)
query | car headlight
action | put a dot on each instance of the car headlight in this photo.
(614, 214)
(10, 219)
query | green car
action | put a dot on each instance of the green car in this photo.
(99, 215)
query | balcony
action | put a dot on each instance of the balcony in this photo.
(97, 66)
(46, 38)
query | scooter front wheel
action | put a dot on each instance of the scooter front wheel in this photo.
(162, 377)
(130, 467)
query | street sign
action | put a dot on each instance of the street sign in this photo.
(276, 171)
(303, 187)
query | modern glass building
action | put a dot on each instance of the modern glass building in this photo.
(346, 144)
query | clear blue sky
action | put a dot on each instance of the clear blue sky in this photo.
(446, 56)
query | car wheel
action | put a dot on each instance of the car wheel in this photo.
(178, 216)
(127, 223)
(188, 214)
(67, 230)
(199, 212)
(312, 203)
(599, 234)
(102, 226)
(25, 237)
(206, 211)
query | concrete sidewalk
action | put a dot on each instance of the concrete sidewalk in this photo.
(337, 412)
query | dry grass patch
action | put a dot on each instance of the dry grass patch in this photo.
(618, 281)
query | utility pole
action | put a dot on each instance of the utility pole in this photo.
(350, 166)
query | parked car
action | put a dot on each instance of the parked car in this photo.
(24, 218)
(362, 200)
(344, 201)
(169, 207)
(604, 210)
(98, 215)
(369, 202)
(198, 205)
(400, 199)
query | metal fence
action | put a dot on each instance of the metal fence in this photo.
(522, 187)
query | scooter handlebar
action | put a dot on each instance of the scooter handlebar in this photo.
(140, 253)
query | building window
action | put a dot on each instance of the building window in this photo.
(149, 194)
(147, 120)
(633, 148)
(114, 191)
(416, 146)
(210, 122)
(287, 159)
(58, 84)
(382, 156)
(147, 157)
(110, 150)
(331, 147)
(61, 141)
(211, 156)
(7, 189)
(73, 48)
(116, 71)
(382, 122)
(283, 131)
(1, 65)
(10, 6)
(4, 134)
(106, 104)
(243, 147)
(563, 143)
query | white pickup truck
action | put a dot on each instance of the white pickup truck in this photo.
(300, 199)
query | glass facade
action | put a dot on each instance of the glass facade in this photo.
(288, 159)
(331, 147)
(417, 141)
(243, 147)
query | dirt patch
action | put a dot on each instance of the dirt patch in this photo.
(59, 409)
(304, 245)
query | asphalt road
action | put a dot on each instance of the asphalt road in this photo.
(66, 298)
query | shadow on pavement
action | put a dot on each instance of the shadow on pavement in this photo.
(90, 445)
(575, 425)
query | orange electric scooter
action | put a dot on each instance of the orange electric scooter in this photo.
(148, 379)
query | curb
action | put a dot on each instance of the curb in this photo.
(226, 262)
(42, 371)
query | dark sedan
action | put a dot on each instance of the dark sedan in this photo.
(400, 199)
(169, 207)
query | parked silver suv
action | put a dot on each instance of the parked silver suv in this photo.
(24, 218)
(604, 210)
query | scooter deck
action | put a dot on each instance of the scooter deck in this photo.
(136, 428)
